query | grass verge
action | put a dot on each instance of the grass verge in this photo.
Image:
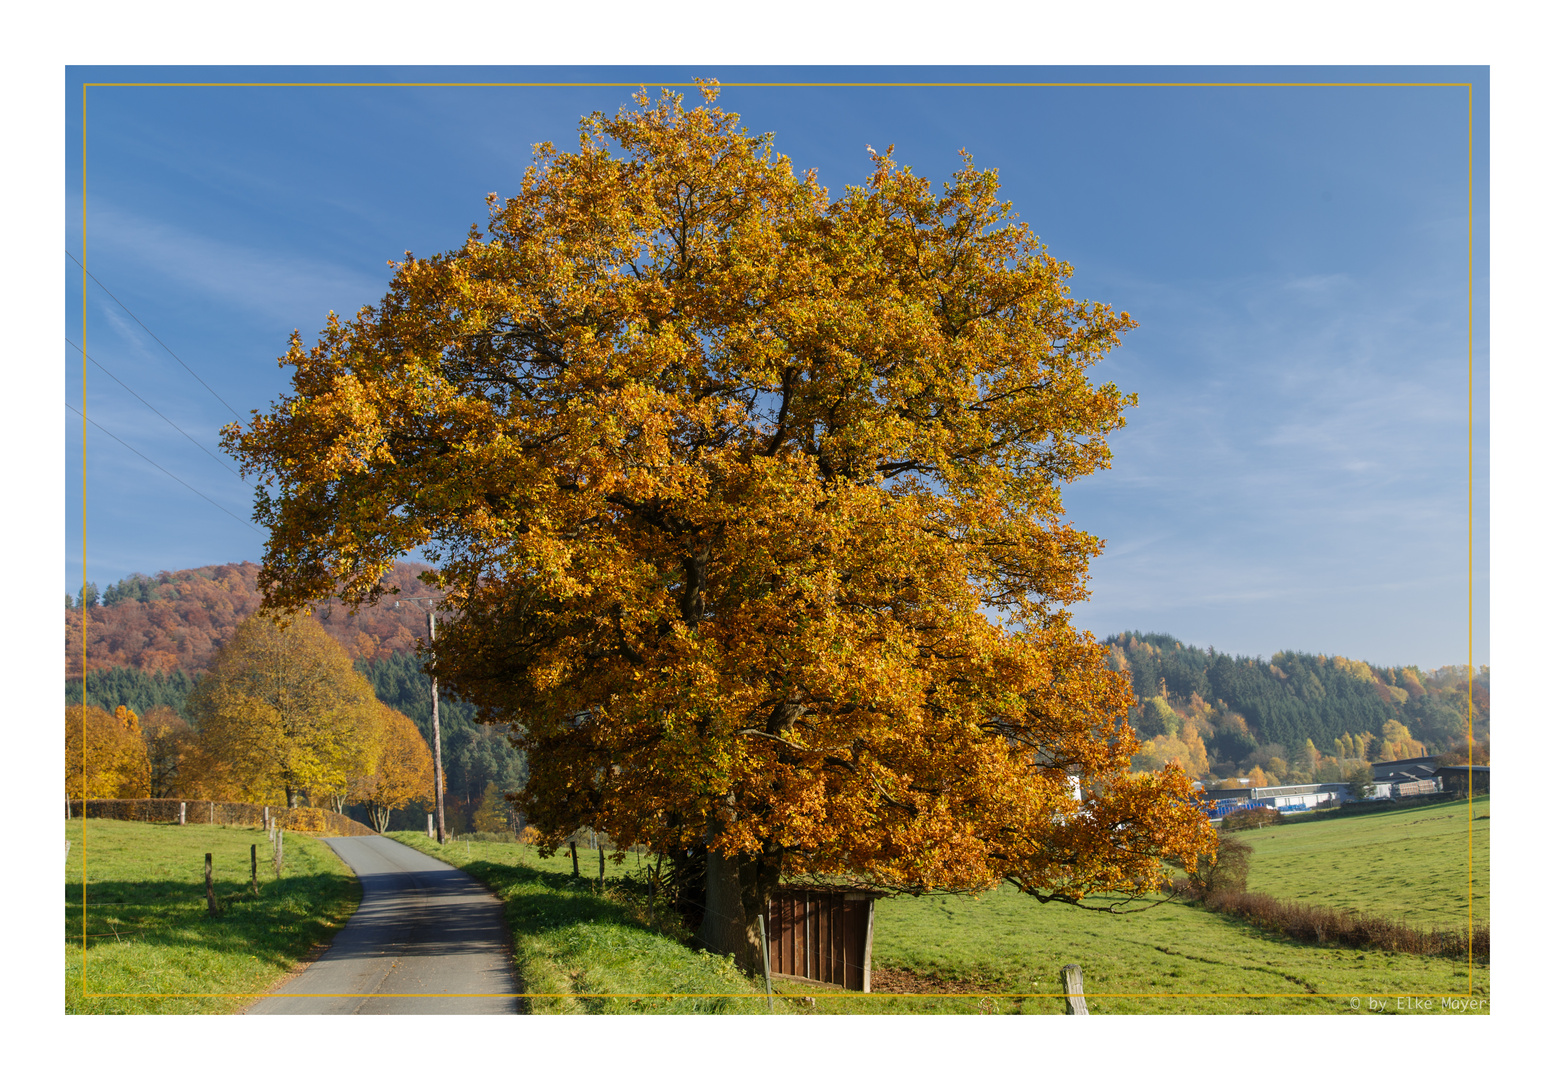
(149, 945)
(580, 947)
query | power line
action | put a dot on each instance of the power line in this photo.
(154, 409)
(137, 453)
(147, 329)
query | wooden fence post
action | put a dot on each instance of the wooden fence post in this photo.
(1074, 990)
(182, 813)
(766, 961)
(210, 891)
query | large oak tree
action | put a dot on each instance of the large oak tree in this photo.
(748, 500)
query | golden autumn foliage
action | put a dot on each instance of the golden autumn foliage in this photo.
(170, 747)
(105, 755)
(403, 772)
(280, 713)
(722, 475)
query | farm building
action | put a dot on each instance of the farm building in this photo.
(822, 934)
(1401, 779)
(1457, 778)
(1286, 798)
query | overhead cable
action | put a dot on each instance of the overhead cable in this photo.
(154, 409)
(137, 453)
(147, 329)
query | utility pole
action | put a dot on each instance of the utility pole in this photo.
(437, 734)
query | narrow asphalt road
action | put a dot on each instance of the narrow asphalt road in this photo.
(427, 938)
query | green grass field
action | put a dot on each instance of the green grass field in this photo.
(1409, 864)
(1169, 959)
(583, 949)
(150, 947)
(1002, 952)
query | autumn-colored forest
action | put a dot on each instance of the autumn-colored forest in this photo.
(176, 620)
(149, 639)
(1294, 718)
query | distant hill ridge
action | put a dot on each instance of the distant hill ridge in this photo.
(177, 620)
(1243, 710)
(1219, 714)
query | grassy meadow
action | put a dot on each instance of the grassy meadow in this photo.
(1411, 864)
(149, 945)
(998, 953)
(1172, 958)
(580, 948)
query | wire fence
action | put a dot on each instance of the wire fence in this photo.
(304, 819)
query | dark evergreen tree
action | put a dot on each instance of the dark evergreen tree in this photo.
(138, 690)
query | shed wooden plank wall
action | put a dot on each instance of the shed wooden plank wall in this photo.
(821, 936)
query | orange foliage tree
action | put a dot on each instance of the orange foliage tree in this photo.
(404, 768)
(105, 755)
(722, 476)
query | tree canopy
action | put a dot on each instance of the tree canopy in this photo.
(282, 713)
(722, 476)
(105, 754)
(402, 771)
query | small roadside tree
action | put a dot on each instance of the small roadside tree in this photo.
(493, 814)
(1362, 784)
(404, 768)
(722, 475)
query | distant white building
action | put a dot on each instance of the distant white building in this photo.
(1286, 798)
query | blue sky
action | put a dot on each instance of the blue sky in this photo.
(1297, 473)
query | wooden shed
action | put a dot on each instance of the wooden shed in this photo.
(822, 935)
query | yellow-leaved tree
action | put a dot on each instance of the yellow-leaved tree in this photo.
(721, 476)
(105, 755)
(404, 768)
(281, 713)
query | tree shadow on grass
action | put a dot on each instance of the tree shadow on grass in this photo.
(546, 899)
(287, 918)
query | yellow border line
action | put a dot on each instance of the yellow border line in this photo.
(83, 543)
(774, 85)
(1471, 542)
(781, 85)
(858, 994)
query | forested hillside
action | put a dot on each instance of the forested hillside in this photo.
(176, 620)
(475, 756)
(1294, 718)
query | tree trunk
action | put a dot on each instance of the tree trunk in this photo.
(739, 888)
(726, 927)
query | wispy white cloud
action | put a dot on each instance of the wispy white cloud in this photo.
(280, 286)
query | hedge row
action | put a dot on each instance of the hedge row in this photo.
(1329, 926)
(309, 819)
